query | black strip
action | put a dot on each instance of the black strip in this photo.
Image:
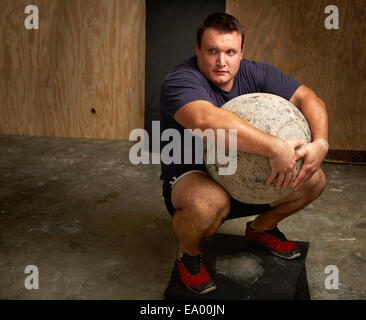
(346, 156)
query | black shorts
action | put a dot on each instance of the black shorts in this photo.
(238, 209)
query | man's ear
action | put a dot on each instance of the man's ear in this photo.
(197, 49)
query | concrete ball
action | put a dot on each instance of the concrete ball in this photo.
(271, 114)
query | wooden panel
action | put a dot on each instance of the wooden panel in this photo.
(346, 156)
(87, 54)
(290, 35)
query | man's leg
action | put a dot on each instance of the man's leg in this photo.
(293, 203)
(202, 204)
(264, 231)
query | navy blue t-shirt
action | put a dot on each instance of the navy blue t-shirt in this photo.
(186, 83)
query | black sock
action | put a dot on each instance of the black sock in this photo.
(191, 262)
(277, 233)
(272, 229)
(251, 229)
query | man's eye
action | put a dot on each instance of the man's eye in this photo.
(212, 51)
(230, 52)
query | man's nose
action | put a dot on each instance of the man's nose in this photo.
(221, 60)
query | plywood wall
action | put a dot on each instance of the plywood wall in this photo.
(81, 74)
(290, 34)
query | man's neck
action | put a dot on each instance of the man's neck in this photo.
(227, 86)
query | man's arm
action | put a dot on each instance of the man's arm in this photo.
(202, 114)
(314, 110)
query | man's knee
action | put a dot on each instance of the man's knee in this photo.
(317, 184)
(307, 193)
(202, 200)
(207, 207)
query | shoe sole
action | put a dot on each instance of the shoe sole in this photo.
(296, 255)
(275, 253)
(208, 290)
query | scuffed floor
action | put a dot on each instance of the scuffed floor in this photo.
(96, 227)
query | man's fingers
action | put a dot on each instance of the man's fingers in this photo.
(293, 173)
(300, 154)
(287, 180)
(299, 180)
(279, 182)
(271, 177)
(297, 143)
(300, 183)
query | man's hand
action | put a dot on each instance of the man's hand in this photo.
(314, 110)
(313, 154)
(283, 163)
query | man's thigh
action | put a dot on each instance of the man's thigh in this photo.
(311, 185)
(198, 186)
(197, 189)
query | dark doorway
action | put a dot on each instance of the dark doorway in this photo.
(170, 39)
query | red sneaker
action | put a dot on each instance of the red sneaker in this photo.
(200, 281)
(274, 241)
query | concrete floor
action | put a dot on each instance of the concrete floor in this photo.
(96, 227)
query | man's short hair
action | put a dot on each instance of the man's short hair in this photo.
(222, 22)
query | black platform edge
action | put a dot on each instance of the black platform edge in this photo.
(282, 280)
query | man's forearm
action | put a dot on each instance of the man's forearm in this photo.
(314, 110)
(203, 115)
(249, 138)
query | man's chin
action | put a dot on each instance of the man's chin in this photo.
(217, 79)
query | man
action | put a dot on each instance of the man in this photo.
(191, 97)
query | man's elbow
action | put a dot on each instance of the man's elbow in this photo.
(304, 95)
(315, 99)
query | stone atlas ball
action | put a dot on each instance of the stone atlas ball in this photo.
(271, 114)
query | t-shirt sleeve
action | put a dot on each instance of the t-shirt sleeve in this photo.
(271, 80)
(179, 89)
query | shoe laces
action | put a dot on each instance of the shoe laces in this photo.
(278, 240)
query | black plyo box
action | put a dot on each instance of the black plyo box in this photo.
(245, 271)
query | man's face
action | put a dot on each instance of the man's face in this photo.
(219, 57)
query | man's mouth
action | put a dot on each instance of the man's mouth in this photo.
(220, 72)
